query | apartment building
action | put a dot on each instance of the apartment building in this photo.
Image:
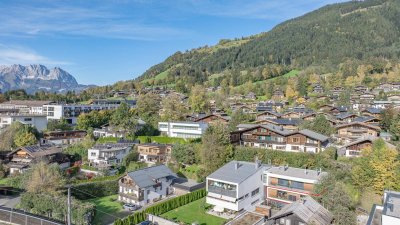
(25, 106)
(154, 153)
(146, 185)
(36, 120)
(106, 155)
(183, 129)
(235, 186)
(70, 112)
(284, 185)
(277, 138)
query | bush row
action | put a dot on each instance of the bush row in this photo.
(162, 207)
(55, 207)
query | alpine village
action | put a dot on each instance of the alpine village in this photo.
(299, 125)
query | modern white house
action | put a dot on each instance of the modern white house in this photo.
(146, 185)
(183, 129)
(389, 212)
(36, 120)
(106, 155)
(235, 186)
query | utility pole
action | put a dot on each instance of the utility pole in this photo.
(69, 206)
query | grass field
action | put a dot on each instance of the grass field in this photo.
(290, 74)
(159, 76)
(193, 212)
(108, 209)
(3, 181)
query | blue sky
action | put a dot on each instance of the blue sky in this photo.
(101, 42)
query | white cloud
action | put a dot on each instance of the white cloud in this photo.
(59, 20)
(18, 55)
(257, 9)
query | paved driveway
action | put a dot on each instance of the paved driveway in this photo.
(9, 201)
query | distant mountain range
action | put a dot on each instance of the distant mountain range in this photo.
(35, 78)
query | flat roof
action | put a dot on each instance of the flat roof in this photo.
(391, 206)
(296, 172)
(236, 171)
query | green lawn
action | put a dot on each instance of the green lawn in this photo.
(3, 181)
(105, 207)
(193, 212)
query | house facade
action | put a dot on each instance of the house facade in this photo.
(106, 155)
(352, 131)
(146, 185)
(63, 137)
(35, 120)
(183, 129)
(235, 186)
(276, 138)
(284, 185)
(154, 153)
(24, 157)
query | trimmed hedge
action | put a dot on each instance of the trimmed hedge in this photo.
(162, 207)
(95, 189)
(161, 139)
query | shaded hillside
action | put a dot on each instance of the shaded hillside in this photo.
(325, 37)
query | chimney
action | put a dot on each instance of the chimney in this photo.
(257, 163)
(236, 165)
(286, 167)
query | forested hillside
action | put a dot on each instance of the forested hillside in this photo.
(362, 31)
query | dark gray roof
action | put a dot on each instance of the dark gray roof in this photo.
(289, 121)
(146, 177)
(369, 139)
(344, 115)
(363, 119)
(373, 110)
(314, 135)
(229, 173)
(297, 172)
(279, 130)
(309, 210)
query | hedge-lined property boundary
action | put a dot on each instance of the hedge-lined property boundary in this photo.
(162, 207)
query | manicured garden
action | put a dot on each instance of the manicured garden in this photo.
(107, 209)
(194, 212)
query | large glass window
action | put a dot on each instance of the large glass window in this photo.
(283, 182)
(297, 185)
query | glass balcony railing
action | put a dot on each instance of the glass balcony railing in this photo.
(222, 191)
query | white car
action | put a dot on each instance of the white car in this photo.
(131, 207)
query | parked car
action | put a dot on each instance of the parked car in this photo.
(131, 207)
(146, 223)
